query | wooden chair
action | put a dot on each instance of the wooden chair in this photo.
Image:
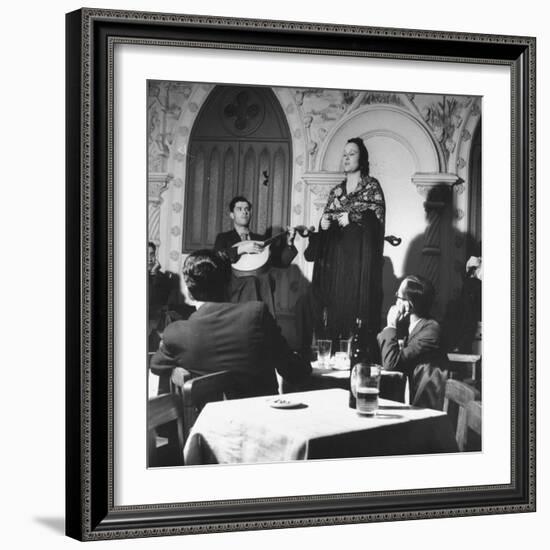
(473, 425)
(161, 410)
(199, 391)
(460, 394)
(462, 365)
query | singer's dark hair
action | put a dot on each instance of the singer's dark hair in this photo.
(206, 274)
(363, 155)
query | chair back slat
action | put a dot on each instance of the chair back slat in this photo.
(161, 410)
(473, 416)
(460, 394)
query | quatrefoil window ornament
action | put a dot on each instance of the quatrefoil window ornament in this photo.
(244, 114)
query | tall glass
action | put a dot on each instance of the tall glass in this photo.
(341, 356)
(323, 353)
(365, 381)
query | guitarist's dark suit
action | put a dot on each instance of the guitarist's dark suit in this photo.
(254, 287)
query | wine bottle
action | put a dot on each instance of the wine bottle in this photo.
(356, 354)
(324, 330)
(363, 349)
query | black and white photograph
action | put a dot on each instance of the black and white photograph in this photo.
(300, 274)
(314, 267)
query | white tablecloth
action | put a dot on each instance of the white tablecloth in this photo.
(250, 430)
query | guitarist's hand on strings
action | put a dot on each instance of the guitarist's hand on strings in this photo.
(249, 247)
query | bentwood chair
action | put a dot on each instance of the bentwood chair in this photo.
(473, 426)
(463, 366)
(199, 391)
(457, 397)
(161, 410)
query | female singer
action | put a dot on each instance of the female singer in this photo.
(348, 249)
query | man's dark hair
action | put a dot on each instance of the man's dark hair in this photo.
(206, 274)
(420, 293)
(152, 245)
(237, 199)
(363, 155)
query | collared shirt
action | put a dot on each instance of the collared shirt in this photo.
(412, 325)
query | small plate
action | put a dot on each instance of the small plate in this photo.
(282, 403)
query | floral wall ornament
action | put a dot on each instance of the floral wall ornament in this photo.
(175, 231)
(387, 98)
(298, 133)
(175, 255)
(300, 160)
(312, 148)
(298, 209)
(460, 163)
(466, 135)
(165, 105)
(178, 182)
(243, 113)
(299, 95)
(177, 207)
(475, 111)
(443, 117)
(298, 186)
(290, 108)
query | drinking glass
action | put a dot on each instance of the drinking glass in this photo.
(366, 379)
(323, 352)
(341, 357)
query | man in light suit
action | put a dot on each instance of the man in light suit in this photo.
(422, 356)
(242, 338)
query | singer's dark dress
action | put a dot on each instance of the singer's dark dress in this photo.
(347, 275)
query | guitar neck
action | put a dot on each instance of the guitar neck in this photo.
(271, 239)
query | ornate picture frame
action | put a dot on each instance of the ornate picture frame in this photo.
(91, 509)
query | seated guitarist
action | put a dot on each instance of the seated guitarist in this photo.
(260, 286)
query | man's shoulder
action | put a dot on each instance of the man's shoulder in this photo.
(427, 328)
(251, 307)
(241, 308)
(176, 330)
(431, 324)
(245, 312)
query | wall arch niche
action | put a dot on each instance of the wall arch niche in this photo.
(239, 145)
(400, 146)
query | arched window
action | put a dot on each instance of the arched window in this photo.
(240, 145)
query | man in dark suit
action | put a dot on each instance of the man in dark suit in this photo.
(165, 301)
(240, 240)
(422, 356)
(242, 338)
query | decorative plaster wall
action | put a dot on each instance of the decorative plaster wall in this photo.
(407, 135)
